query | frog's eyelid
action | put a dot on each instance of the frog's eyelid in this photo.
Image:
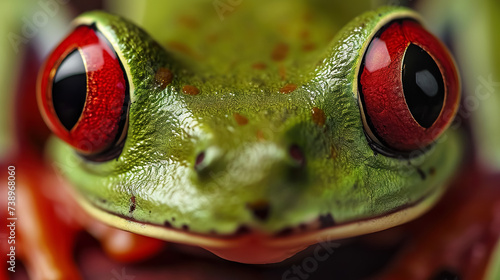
(382, 20)
(89, 20)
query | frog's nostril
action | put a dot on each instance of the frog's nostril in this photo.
(199, 160)
(297, 154)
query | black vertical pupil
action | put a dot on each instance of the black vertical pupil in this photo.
(69, 89)
(423, 85)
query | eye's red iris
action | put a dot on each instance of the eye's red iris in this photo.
(83, 92)
(408, 87)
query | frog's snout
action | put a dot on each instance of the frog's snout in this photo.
(257, 176)
(250, 163)
(212, 158)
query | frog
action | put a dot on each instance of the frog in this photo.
(251, 159)
(253, 168)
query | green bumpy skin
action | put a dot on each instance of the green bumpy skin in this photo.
(248, 177)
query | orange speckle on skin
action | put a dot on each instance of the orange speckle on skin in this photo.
(280, 52)
(308, 16)
(308, 47)
(190, 90)
(260, 135)
(212, 38)
(188, 21)
(259, 66)
(318, 116)
(333, 152)
(305, 34)
(288, 88)
(182, 48)
(240, 119)
(164, 77)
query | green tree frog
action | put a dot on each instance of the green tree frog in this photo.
(253, 164)
(253, 134)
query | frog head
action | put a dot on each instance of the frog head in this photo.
(352, 142)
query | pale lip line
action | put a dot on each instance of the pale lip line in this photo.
(339, 231)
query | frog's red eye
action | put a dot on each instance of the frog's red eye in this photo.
(83, 92)
(408, 87)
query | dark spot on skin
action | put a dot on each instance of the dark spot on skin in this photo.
(259, 66)
(303, 227)
(213, 232)
(421, 173)
(190, 90)
(173, 219)
(167, 224)
(149, 211)
(318, 116)
(288, 88)
(432, 171)
(297, 154)
(164, 77)
(446, 274)
(240, 119)
(185, 227)
(242, 230)
(132, 204)
(260, 209)
(284, 232)
(326, 221)
(103, 200)
(280, 52)
(355, 186)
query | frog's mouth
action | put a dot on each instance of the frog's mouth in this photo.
(251, 246)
